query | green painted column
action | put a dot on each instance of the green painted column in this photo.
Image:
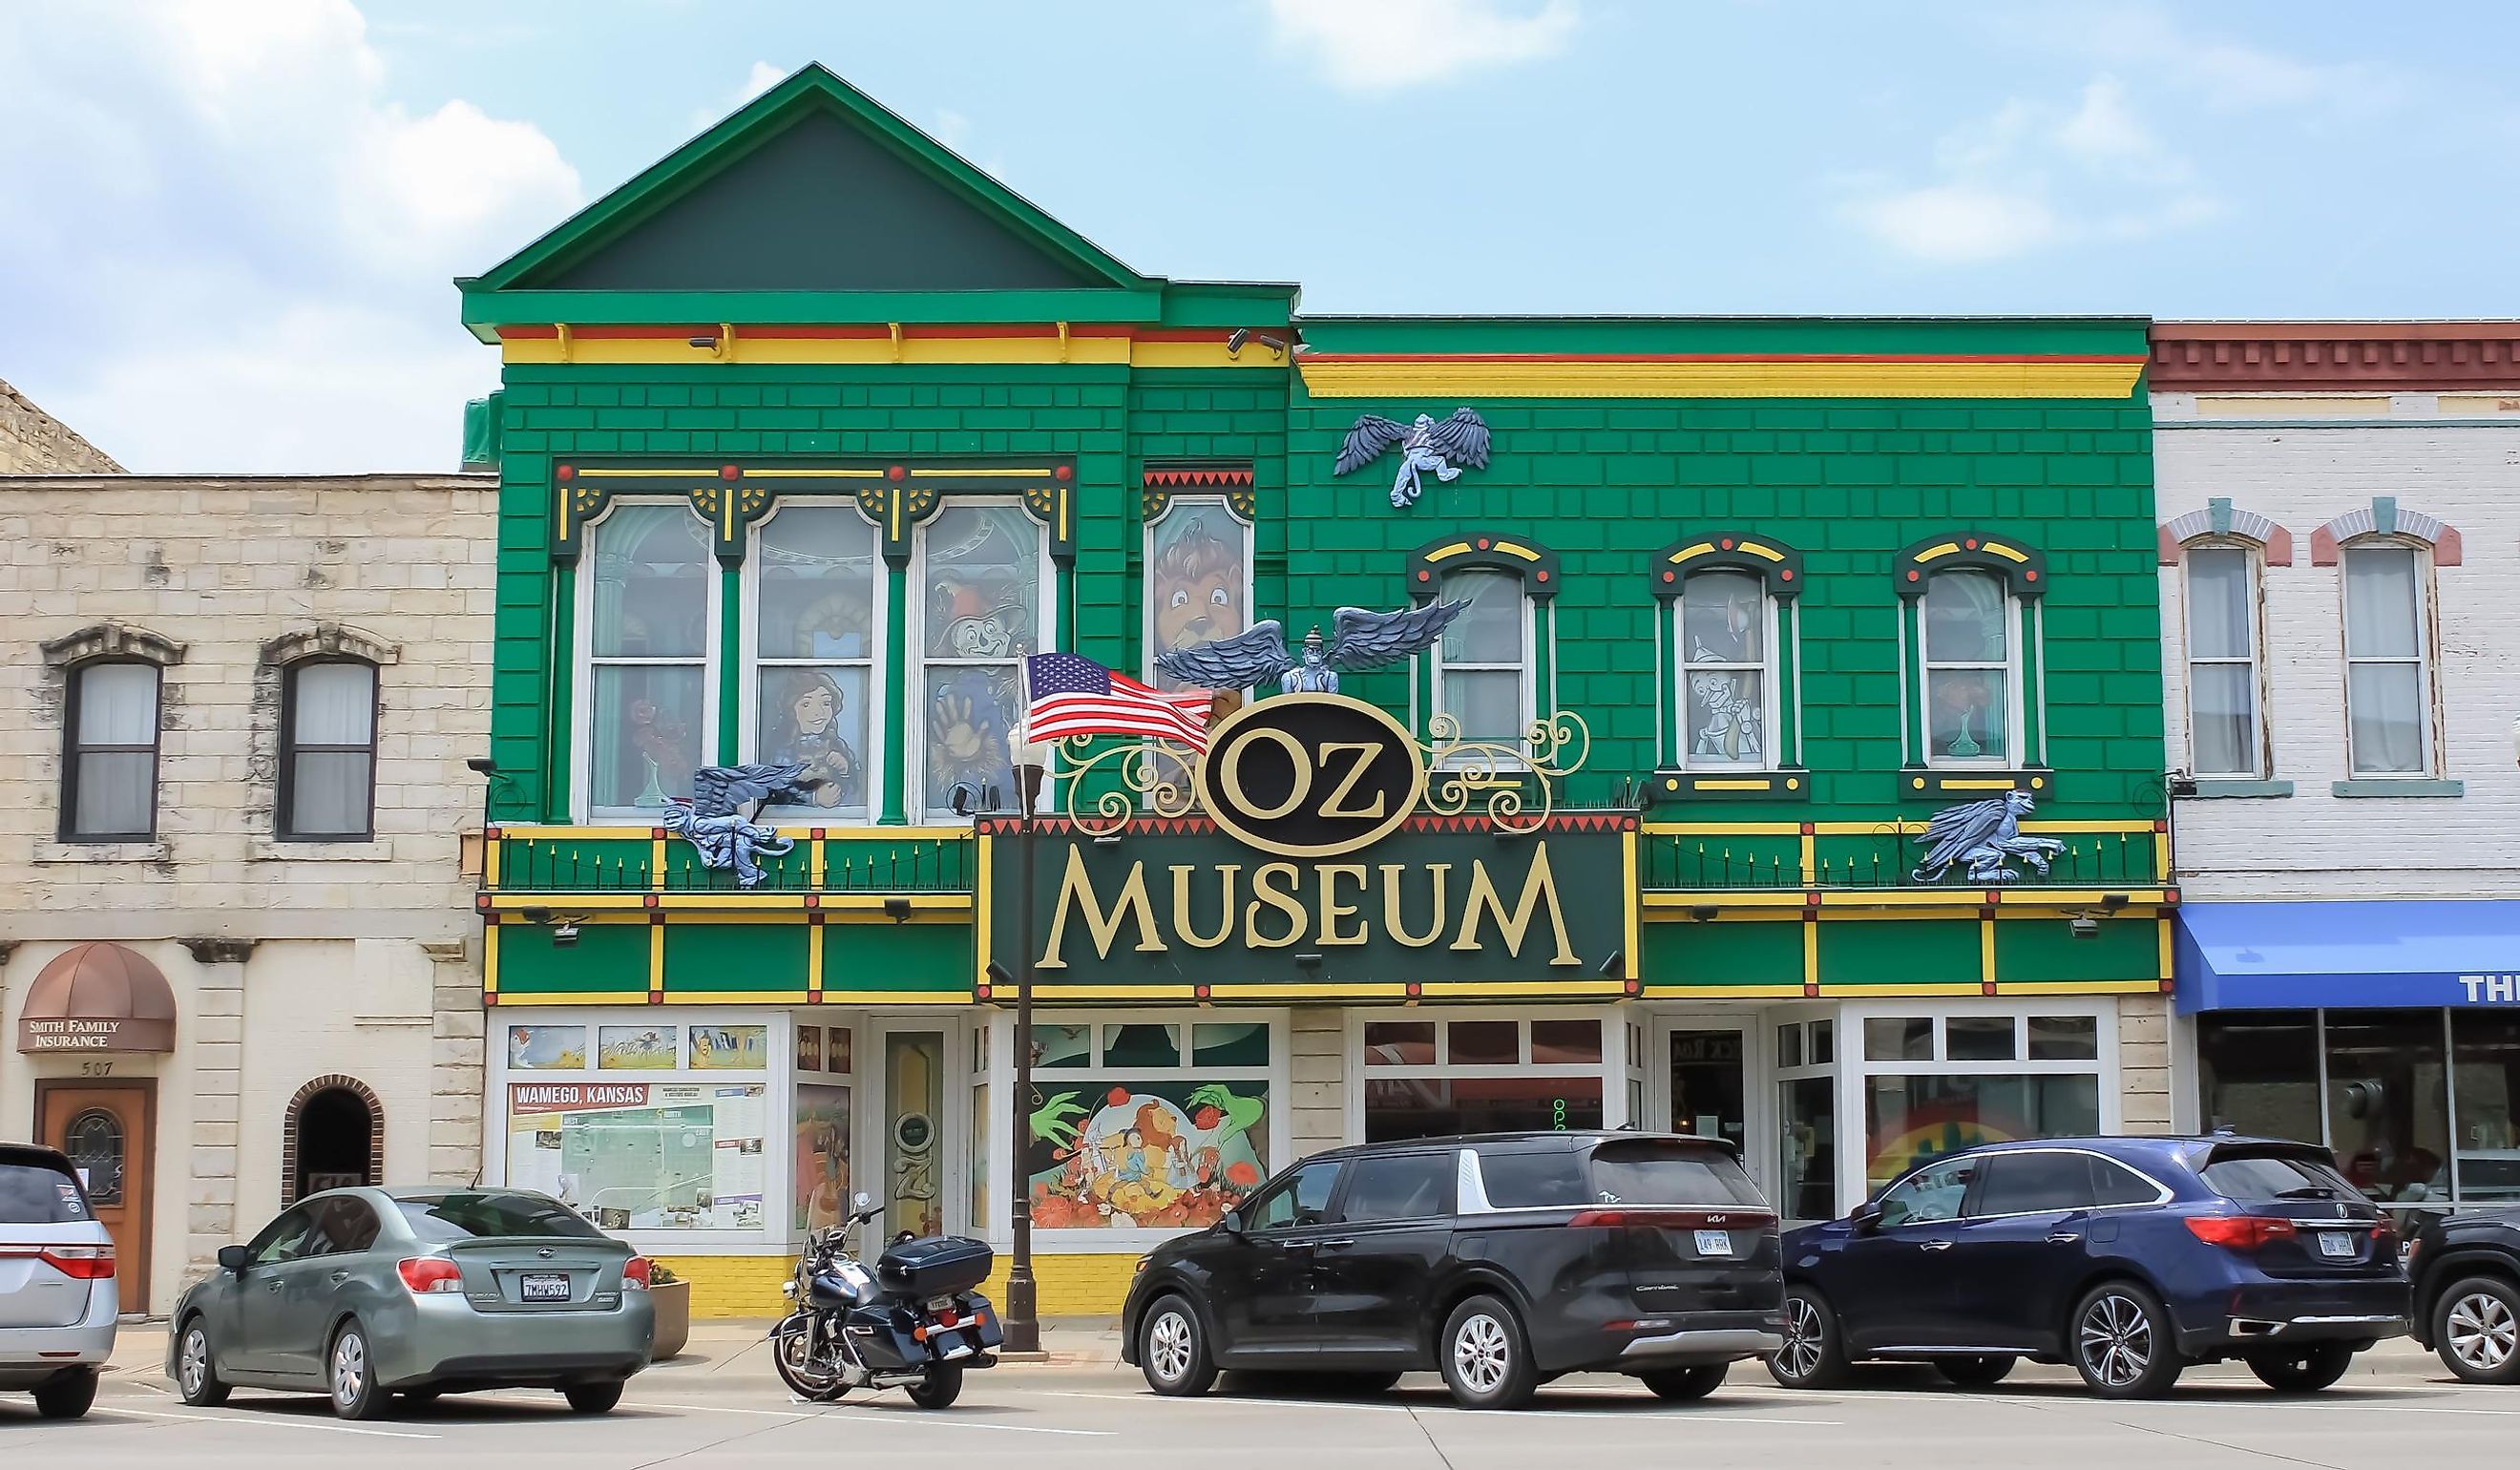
(2033, 719)
(1789, 742)
(1544, 663)
(562, 734)
(730, 662)
(1675, 689)
(896, 709)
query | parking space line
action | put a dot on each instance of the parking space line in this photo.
(197, 1417)
(1713, 1414)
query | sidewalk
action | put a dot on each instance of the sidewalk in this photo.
(722, 1350)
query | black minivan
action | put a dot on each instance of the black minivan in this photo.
(1501, 1260)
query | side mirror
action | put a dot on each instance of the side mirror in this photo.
(1866, 1217)
(232, 1259)
(1233, 1223)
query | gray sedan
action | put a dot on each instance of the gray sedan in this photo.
(366, 1293)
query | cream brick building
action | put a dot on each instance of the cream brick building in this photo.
(301, 890)
(2340, 558)
(34, 442)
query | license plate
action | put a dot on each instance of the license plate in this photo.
(2331, 1243)
(1715, 1242)
(543, 1288)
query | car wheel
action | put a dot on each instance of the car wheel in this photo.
(1485, 1358)
(2476, 1329)
(940, 1388)
(197, 1368)
(1815, 1352)
(1683, 1384)
(1172, 1351)
(67, 1397)
(2122, 1344)
(350, 1373)
(2303, 1370)
(593, 1398)
(1978, 1370)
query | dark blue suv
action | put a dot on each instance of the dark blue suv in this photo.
(2127, 1258)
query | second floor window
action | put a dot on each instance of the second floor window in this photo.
(1729, 674)
(2388, 673)
(815, 644)
(328, 759)
(1972, 670)
(980, 612)
(2225, 731)
(1482, 663)
(110, 766)
(645, 706)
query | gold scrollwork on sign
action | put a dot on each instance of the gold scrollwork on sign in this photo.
(1512, 781)
(1149, 777)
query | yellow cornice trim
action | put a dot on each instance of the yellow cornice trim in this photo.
(1073, 349)
(2031, 378)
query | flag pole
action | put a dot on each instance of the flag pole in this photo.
(1022, 1321)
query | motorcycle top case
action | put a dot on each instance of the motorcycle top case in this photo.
(940, 1265)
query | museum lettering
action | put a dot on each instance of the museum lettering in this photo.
(1459, 906)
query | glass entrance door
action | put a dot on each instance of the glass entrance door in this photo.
(922, 1129)
(1708, 1095)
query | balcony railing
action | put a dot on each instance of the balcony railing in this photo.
(1761, 856)
(528, 860)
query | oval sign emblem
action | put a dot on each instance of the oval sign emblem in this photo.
(1310, 776)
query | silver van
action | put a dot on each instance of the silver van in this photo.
(58, 1300)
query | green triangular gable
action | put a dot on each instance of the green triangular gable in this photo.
(811, 187)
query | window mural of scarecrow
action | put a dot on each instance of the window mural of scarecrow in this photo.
(1171, 1155)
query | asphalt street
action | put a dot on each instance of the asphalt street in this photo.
(725, 1409)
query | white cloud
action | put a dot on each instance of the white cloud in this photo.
(2030, 176)
(759, 79)
(232, 250)
(1381, 45)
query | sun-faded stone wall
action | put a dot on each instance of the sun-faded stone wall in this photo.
(34, 442)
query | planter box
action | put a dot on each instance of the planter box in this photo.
(673, 1304)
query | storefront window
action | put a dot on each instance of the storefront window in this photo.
(2259, 1071)
(1911, 1119)
(2388, 1102)
(982, 614)
(2486, 1076)
(816, 643)
(1807, 1148)
(648, 631)
(643, 1155)
(1426, 1078)
(1127, 1133)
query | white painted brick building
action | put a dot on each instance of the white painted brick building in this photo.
(319, 946)
(2340, 568)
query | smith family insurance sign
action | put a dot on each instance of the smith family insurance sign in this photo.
(1323, 858)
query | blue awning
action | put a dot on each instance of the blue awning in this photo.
(2409, 951)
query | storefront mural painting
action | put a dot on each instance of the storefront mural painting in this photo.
(1144, 1154)
(546, 1049)
(822, 1155)
(634, 1048)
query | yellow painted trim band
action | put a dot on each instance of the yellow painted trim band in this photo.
(577, 997)
(655, 957)
(1541, 377)
(1521, 988)
(1986, 951)
(1731, 898)
(1723, 991)
(1704, 784)
(1811, 954)
(897, 997)
(2169, 966)
(644, 831)
(1108, 351)
(1635, 914)
(813, 961)
(489, 960)
(735, 998)
(2078, 988)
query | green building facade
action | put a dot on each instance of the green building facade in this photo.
(811, 432)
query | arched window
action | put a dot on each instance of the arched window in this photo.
(328, 750)
(1971, 637)
(110, 756)
(1490, 672)
(1730, 650)
(2221, 554)
(333, 1138)
(2388, 658)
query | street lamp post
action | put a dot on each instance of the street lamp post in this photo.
(1022, 1321)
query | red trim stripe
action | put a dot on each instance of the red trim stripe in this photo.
(1311, 356)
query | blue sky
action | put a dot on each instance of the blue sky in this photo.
(227, 228)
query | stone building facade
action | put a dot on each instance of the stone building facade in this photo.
(34, 442)
(2339, 557)
(233, 824)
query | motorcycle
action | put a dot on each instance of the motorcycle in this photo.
(915, 1322)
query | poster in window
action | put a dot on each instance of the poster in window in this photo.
(809, 1049)
(1199, 570)
(634, 1048)
(730, 1048)
(546, 1049)
(1149, 1155)
(641, 1156)
(821, 1140)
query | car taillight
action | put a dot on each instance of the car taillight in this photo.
(80, 1263)
(634, 1273)
(2239, 1232)
(429, 1275)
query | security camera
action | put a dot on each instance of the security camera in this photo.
(2085, 927)
(564, 933)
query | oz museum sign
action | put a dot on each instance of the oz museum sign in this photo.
(1321, 858)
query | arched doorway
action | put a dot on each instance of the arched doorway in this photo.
(336, 1138)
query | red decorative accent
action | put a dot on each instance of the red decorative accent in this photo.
(2161, 824)
(1995, 896)
(1540, 576)
(1726, 543)
(897, 473)
(1986, 986)
(1198, 478)
(1414, 990)
(481, 901)
(981, 992)
(567, 472)
(2371, 357)
(648, 899)
(728, 471)
(1198, 991)
(656, 834)
(2167, 985)
(1426, 576)
(1810, 898)
(1634, 986)
(813, 901)
(493, 834)
(1913, 574)
(2447, 549)
(1063, 473)
(1811, 829)
(2030, 574)
(1669, 576)
(490, 998)
(1786, 575)
(1483, 543)
(1811, 987)
(1970, 543)
(2170, 896)
(814, 832)
(656, 997)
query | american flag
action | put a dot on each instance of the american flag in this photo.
(1068, 696)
